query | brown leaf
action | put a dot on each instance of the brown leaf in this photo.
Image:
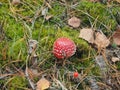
(42, 84)
(115, 59)
(118, 1)
(48, 17)
(16, 2)
(101, 40)
(74, 22)
(87, 34)
(116, 37)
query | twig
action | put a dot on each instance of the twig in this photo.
(37, 14)
(32, 47)
(4, 76)
(27, 75)
(86, 13)
(29, 30)
(102, 84)
(63, 87)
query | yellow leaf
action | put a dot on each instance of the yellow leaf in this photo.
(42, 84)
(115, 59)
(87, 34)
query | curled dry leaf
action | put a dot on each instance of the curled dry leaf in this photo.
(116, 37)
(101, 40)
(74, 22)
(48, 17)
(42, 84)
(44, 11)
(32, 44)
(115, 59)
(87, 34)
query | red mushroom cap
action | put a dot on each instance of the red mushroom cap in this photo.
(64, 48)
(75, 74)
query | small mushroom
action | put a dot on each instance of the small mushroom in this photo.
(64, 48)
(75, 74)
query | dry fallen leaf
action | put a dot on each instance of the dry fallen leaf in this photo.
(115, 59)
(87, 34)
(42, 84)
(74, 22)
(16, 2)
(101, 40)
(116, 37)
(48, 17)
(44, 11)
(118, 1)
(32, 44)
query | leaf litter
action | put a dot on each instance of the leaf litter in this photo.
(74, 22)
(92, 37)
(116, 37)
(43, 84)
(101, 40)
(97, 38)
(87, 34)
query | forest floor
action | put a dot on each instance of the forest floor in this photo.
(29, 28)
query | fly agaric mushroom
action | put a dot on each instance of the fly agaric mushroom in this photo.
(63, 48)
(75, 74)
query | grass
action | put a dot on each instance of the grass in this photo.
(24, 21)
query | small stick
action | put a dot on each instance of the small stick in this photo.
(27, 75)
(63, 87)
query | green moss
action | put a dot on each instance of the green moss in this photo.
(17, 83)
(2, 82)
(16, 48)
(57, 10)
(96, 71)
(46, 32)
(118, 65)
(98, 14)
